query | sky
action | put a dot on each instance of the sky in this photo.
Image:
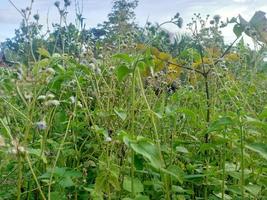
(96, 11)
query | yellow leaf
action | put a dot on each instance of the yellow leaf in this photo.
(141, 47)
(213, 52)
(174, 71)
(234, 57)
(164, 56)
(155, 51)
(159, 64)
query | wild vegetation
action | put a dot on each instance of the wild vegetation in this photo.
(120, 111)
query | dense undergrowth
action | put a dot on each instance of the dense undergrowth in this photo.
(135, 118)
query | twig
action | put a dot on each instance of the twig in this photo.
(11, 2)
(188, 68)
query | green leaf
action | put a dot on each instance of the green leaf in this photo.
(39, 65)
(57, 195)
(259, 148)
(124, 57)
(175, 172)
(181, 149)
(259, 22)
(141, 197)
(73, 173)
(226, 197)
(148, 150)
(43, 52)
(263, 114)
(137, 185)
(37, 152)
(253, 189)
(66, 182)
(255, 123)
(120, 114)
(232, 20)
(6, 128)
(122, 72)
(238, 30)
(220, 124)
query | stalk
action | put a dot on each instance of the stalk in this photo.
(166, 184)
(242, 159)
(223, 166)
(57, 156)
(132, 130)
(35, 177)
(19, 183)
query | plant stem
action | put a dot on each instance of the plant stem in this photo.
(132, 130)
(19, 183)
(35, 178)
(242, 159)
(166, 184)
(57, 156)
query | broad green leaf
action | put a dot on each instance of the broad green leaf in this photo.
(238, 30)
(149, 150)
(259, 22)
(220, 124)
(122, 72)
(58, 171)
(141, 197)
(175, 172)
(259, 148)
(226, 197)
(124, 57)
(100, 182)
(66, 182)
(253, 189)
(181, 149)
(137, 185)
(252, 122)
(57, 195)
(73, 173)
(121, 114)
(263, 114)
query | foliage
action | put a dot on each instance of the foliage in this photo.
(154, 120)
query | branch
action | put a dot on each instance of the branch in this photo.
(226, 51)
(188, 68)
(11, 2)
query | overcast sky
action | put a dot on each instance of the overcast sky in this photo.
(95, 11)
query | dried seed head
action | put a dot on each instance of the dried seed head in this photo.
(211, 22)
(36, 17)
(97, 70)
(50, 96)
(52, 103)
(16, 147)
(67, 3)
(41, 97)
(108, 139)
(57, 4)
(217, 18)
(92, 66)
(50, 71)
(73, 99)
(28, 95)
